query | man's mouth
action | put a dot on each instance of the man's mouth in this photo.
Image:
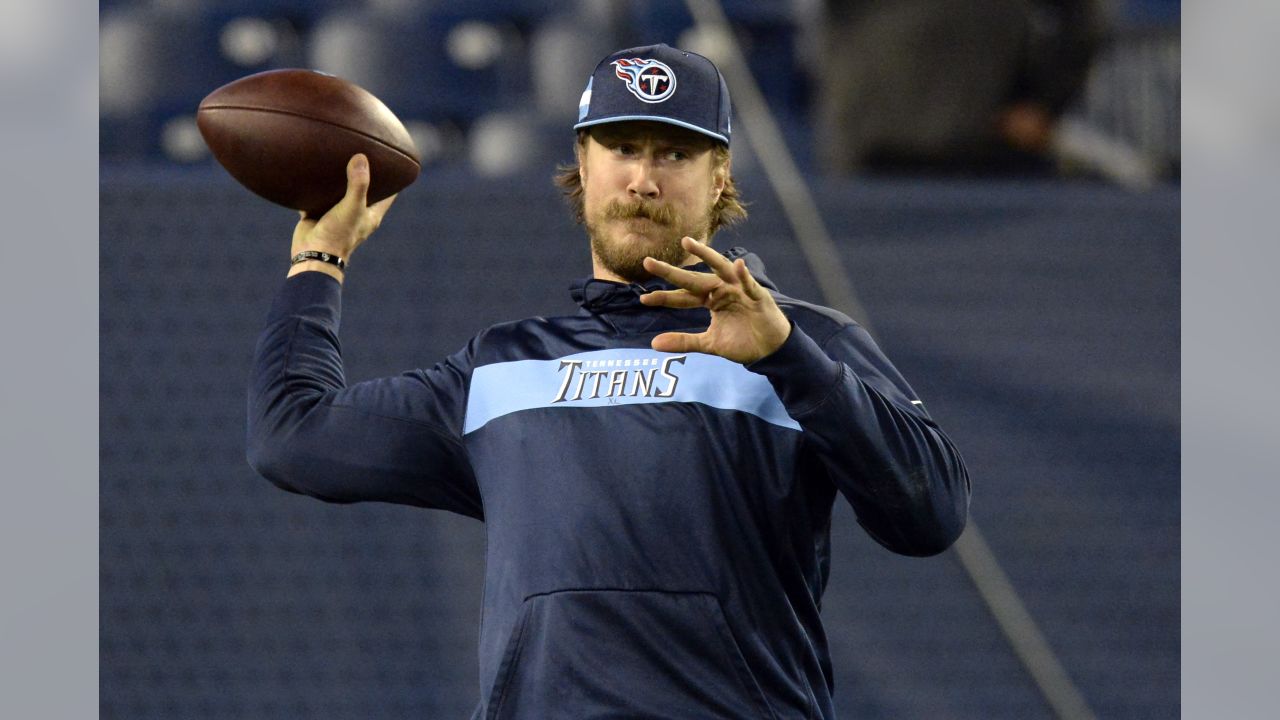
(659, 215)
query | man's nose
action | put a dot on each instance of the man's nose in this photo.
(643, 181)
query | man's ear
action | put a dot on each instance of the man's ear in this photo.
(719, 179)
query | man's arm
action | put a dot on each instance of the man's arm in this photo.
(906, 481)
(395, 439)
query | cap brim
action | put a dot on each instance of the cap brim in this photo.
(653, 118)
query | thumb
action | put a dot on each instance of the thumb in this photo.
(677, 342)
(357, 181)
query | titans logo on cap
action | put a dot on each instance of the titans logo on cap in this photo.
(649, 80)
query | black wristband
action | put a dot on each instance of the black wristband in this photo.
(324, 257)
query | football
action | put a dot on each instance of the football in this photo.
(287, 135)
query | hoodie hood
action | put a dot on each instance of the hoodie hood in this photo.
(601, 297)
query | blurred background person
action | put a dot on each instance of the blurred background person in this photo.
(956, 86)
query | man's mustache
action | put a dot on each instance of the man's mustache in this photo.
(619, 210)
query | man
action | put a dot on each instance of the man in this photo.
(656, 472)
(957, 86)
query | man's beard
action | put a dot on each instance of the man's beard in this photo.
(626, 260)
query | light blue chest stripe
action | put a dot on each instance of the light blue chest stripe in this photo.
(620, 377)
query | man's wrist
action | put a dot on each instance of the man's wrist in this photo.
(316, 266)
(324, 257)
(304, 244)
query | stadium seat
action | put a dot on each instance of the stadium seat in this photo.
(437, 65)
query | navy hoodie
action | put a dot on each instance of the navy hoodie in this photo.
(657, 523)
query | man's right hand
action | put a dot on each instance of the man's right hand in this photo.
(344, 227)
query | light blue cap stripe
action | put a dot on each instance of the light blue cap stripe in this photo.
(584, 102)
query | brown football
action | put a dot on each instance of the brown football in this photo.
(287, 135)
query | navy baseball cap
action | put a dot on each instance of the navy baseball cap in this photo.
(658, 83)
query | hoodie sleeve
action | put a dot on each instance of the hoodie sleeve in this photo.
(904, 478)
(395, 439)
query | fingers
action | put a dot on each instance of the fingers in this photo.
(748, 283)
(682, 299)
(714, 260)
(702, 288)
(378, 210)
(734, 273)
(699, 283)
(383, 205)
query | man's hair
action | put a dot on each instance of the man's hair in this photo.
(727, 211)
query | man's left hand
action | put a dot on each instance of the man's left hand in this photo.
(746, 324)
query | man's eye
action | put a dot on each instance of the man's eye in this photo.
(624, 149)
(677, 155)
